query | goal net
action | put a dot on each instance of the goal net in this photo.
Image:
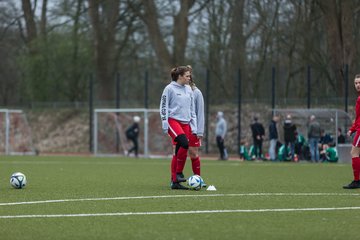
(15, 133)
(109, 132)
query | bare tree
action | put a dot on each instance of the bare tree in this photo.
(76, 90)
(217, 59)
(338, 17)
(31, 29)
(181, 23)
(180, 31)
(43, 19)
(237, 39)
(9, 47)
(218, 35)
(104, 18)
(38, 66)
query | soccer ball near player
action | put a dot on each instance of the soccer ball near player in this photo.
(195, 182)
(18, 180)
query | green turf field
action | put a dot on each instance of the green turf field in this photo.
(127, 198)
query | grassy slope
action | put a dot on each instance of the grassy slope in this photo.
(86, 177)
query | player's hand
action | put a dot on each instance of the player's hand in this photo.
(165, 126)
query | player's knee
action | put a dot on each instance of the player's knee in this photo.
(182, 141)
(193, 153)
(355, 152)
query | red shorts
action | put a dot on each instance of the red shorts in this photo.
(194, 141)
(356, 141)
(177, 128)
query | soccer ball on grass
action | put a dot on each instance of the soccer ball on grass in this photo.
(195, 182)
(18, 180)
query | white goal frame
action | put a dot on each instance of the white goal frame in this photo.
(143, 111)
(7, 133)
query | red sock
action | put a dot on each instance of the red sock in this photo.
(173, 168)
(356, 167)
(195, 163)
(181, 159)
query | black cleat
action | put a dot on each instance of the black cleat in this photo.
(176, 185)
(354, 184)
(180, 177)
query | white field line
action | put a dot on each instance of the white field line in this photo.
(178, 196)
(164, 162)
(79, 163)
(178, 212)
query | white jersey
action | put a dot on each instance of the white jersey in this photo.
(199, 110)
(177, 102)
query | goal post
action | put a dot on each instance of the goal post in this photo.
(110, 124)
(15, 133)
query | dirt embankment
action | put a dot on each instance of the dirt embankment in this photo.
(60, 130)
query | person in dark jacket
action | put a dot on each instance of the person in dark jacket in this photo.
(289, 136)
(273, 137)
(132, 134)
(341, 137)
(258, 133)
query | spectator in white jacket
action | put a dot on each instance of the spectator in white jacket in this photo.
(220, 132)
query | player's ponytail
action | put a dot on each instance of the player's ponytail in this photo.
(191, 83)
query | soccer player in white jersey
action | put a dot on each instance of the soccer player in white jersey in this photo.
(195, 140)
(177, 112)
